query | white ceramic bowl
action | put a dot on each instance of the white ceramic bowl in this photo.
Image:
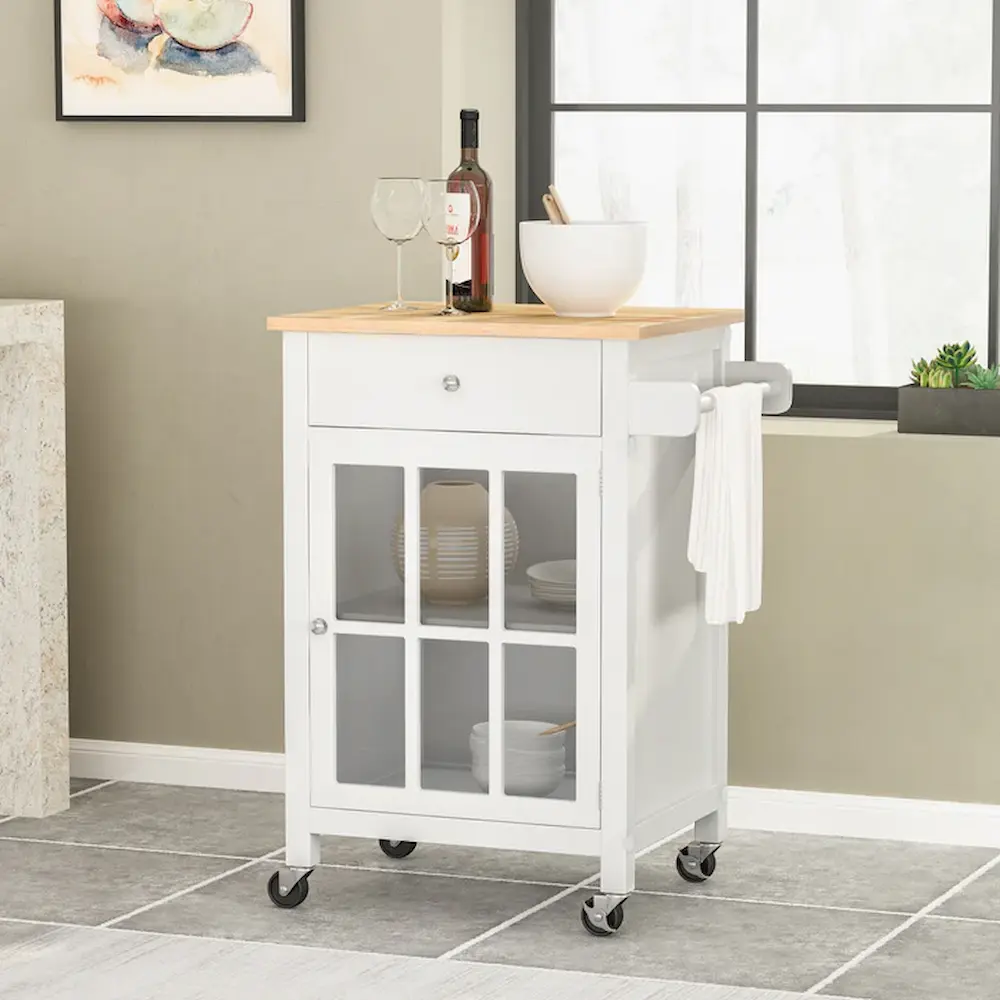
(533, 764)
(585, 269)
(523, 735)
(558, 574)
(537, 783)
(521, 760)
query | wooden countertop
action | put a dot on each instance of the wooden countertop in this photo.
(507, 321)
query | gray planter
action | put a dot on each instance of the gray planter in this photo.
(949, 411)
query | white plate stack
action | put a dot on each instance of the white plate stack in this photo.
(554, 582)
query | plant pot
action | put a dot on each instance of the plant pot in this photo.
(949, 411)
(454, 543)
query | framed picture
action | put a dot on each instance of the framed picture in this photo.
(180, 60)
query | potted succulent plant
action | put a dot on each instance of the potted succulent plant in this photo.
(951, 394)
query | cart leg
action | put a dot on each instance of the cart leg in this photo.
(289, 885)
(603, 914)
(618, 867)
(712, 829)
(302, 849)
(696, 862)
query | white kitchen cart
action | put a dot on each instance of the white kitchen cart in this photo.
(584, 431)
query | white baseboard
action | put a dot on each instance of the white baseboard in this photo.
(165, 765)
(868, 817)
(774, 810)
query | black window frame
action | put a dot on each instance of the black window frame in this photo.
(536, 107)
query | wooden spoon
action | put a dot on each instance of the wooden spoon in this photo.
(560, 206)
(551, 210)
(558, 729)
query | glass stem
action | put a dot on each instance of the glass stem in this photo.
(452, 253)
(399, 274)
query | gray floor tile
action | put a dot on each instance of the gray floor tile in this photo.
(87, 964)
(517, 865)
(364, 911)
(693, 940)
(13, 936)
(202, 820)
(828, 871)
(933, 960)
(82, 784)
(980, 900)
(81, 885)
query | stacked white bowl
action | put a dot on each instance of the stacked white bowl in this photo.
(554, 582)
(533, 764)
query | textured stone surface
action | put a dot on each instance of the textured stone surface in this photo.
(34, 715)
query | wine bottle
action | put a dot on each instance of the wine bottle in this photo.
(473, 281)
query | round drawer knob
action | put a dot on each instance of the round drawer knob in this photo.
(318, 626)
(451, 383)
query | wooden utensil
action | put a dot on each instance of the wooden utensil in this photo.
(560, 207)
(558, 729)
(551, 210)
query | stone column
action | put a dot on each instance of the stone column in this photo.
(34, 677)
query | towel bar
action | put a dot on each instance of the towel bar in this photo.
(674, 409)
(708, 402)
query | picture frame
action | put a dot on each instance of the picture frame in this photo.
(180, 60)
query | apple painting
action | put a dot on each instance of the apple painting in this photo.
(181, 58)
(114, 13)
(205, 25)
(138, 12)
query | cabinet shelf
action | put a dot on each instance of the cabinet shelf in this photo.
(459, 779)
(524, 613)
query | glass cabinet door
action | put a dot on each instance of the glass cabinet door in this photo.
(458, 577)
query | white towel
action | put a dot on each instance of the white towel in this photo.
(726, 537)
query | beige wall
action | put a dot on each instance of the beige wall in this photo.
(872, 667)
(484, 78)
(171, 243)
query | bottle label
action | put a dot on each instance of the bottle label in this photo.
(459, 211)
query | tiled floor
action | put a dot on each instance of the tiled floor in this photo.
(806, 914)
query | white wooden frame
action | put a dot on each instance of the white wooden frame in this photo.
(302, 844)
(496, 454)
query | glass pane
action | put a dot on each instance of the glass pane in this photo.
(454, 547)
(875, 51)
(873, 241)
(539, 693)
(371, 724)
(650, 51)
(684, 174)
(541, 583)
(369, 502)
(454, 698)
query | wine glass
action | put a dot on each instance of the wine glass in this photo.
(451, 216)
(397, 211)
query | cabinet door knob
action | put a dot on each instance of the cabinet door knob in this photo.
(451, 383)
(319, 626)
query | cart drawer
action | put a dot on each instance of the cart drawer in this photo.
(455, 384)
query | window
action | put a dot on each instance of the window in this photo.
(830, 166)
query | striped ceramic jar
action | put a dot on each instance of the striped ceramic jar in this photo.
(454, 542)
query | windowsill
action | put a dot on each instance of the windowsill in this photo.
(834, 427)
(829, 427)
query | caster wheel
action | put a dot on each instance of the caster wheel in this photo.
(614, 919)
(397, 849)
(707, 868)
(295, 898)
